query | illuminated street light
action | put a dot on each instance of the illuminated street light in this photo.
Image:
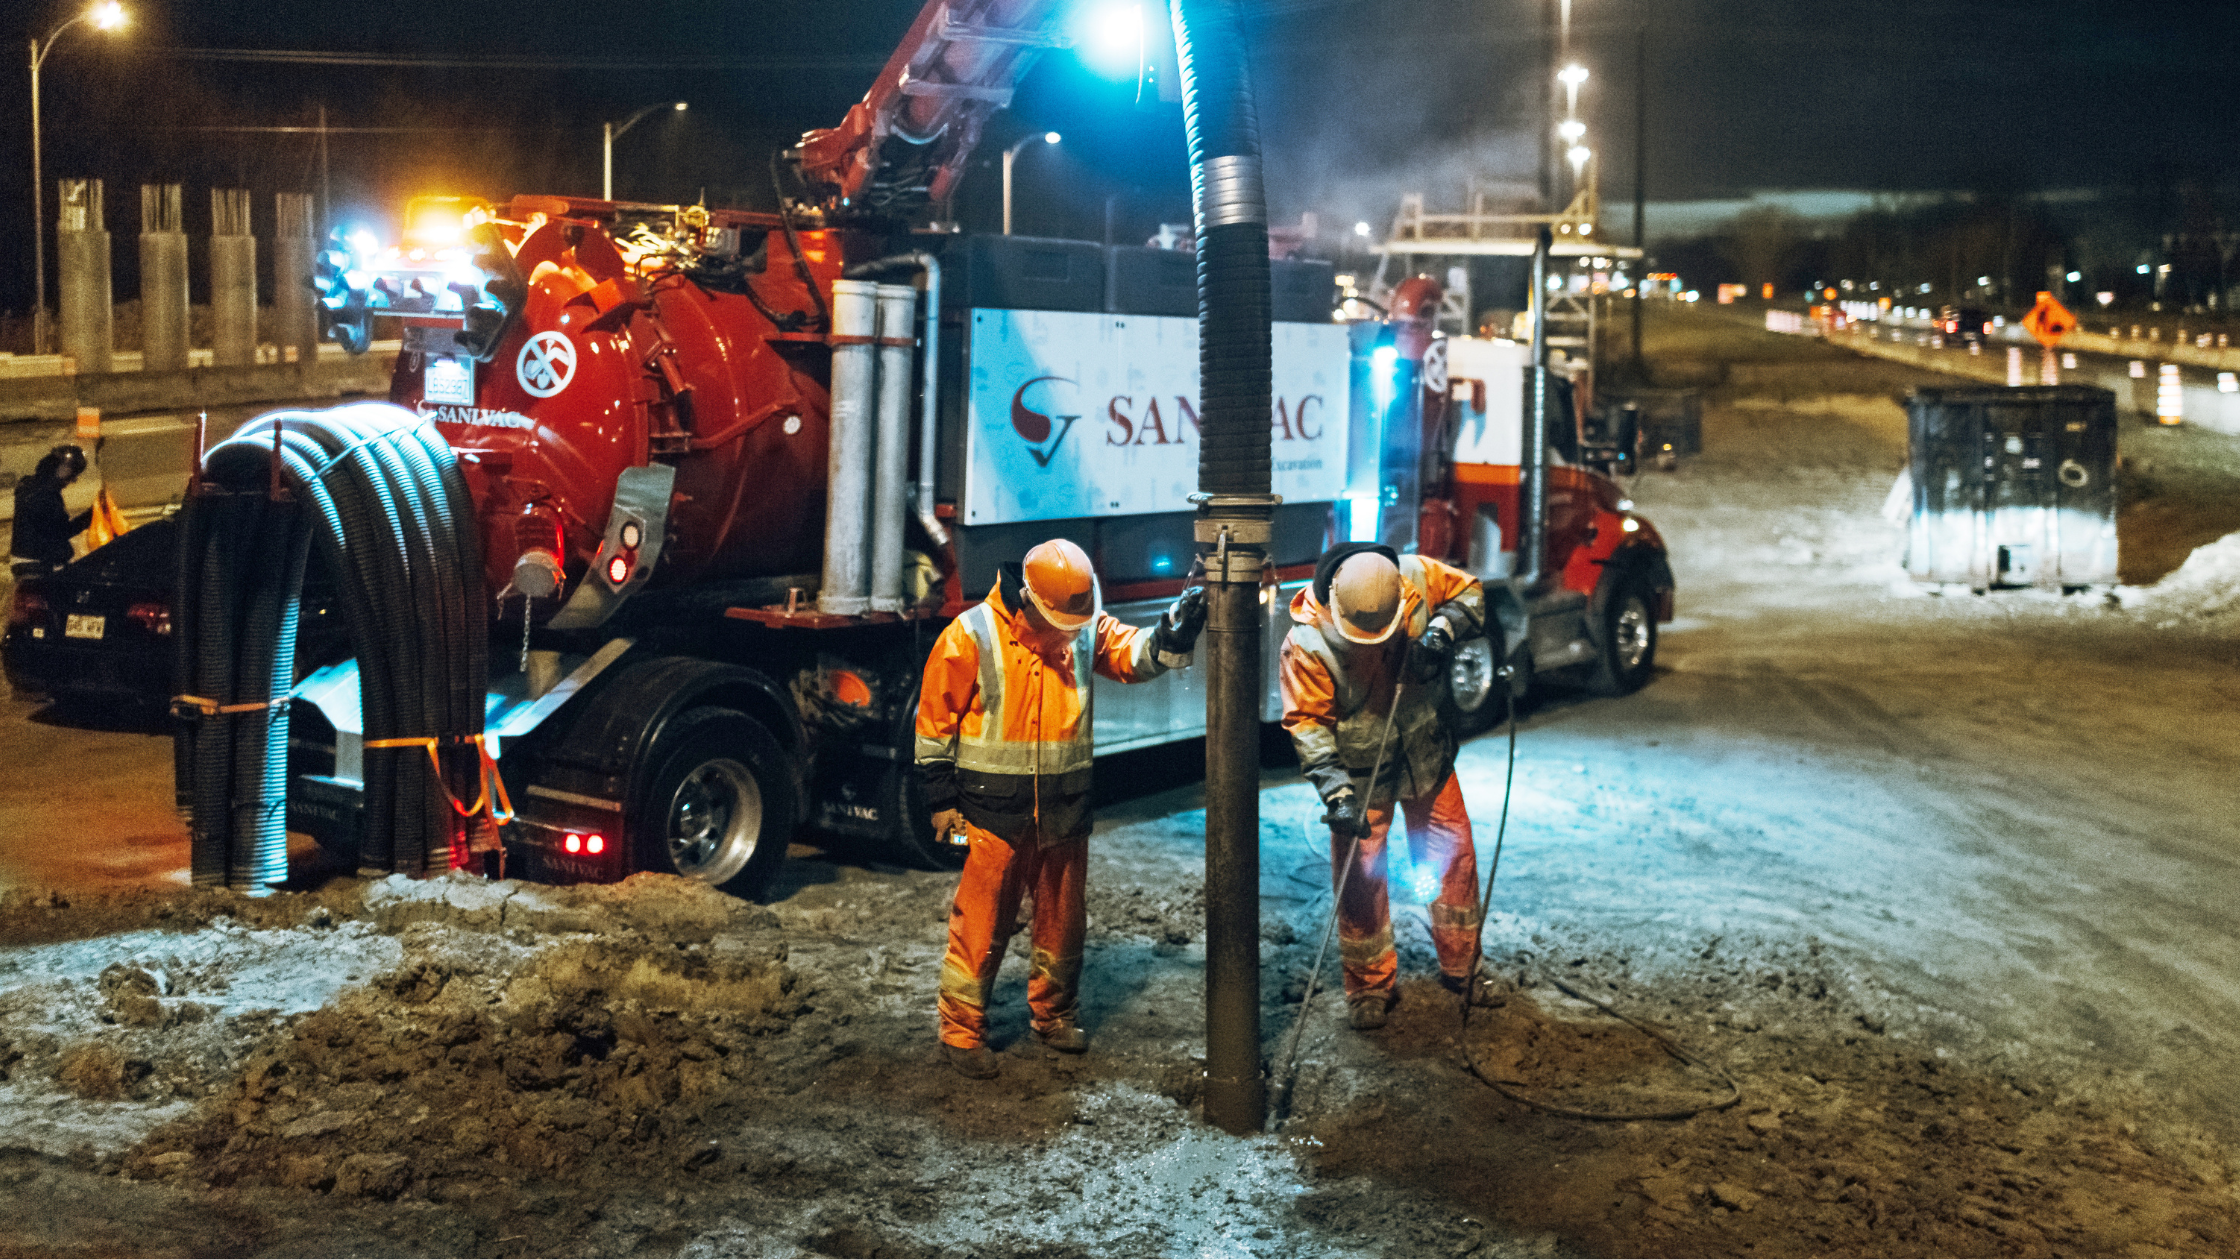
(1578, 155)
(1361, 229)
(614, 132)
(107, 16)
(1572, 130)
(1571, 77)
(1112, 42)
(1010, 156)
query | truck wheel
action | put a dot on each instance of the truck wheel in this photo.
(912, 836)
(1476, 687)
(1628, 639)
(719, 804)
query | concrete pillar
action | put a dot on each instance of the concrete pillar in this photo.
(233, 280)
(295, 323)
(82, 258)
(163, 280)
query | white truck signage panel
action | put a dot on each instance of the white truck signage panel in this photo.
(1488, 379)
(1079, 414)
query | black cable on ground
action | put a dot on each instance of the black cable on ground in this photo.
(1477, 956)
(1671, 1047)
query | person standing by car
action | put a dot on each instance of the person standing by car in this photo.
(43, 527)
(1372, 637)
(1005, 748)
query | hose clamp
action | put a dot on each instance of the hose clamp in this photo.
(1229, 190)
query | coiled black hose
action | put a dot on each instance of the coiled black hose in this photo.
(374, 495)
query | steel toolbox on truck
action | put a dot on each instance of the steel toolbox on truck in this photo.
(2012, 487)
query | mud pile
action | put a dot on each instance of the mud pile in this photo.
(482, 1058)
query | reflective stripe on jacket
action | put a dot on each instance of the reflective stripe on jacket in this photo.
(1336, 694)
(1005, 731)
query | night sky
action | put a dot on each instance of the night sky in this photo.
(1360, 102)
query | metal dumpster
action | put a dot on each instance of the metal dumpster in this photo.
(1671, 419)
(2013, 487)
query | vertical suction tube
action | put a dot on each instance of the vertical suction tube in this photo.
(1532, 492)
(846, 588)
(1235, 511)
(929, 387)
(890, 488)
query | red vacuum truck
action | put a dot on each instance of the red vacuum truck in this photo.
(640, 558)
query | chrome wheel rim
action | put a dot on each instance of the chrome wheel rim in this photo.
(1470, 675)
(714, 821)
(1631, 634)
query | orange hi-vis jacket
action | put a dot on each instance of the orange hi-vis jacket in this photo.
(1005, 715)
(1336, 693)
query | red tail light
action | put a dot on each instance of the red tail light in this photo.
(573, 844)
(595, 844)
(25, 606)
(618, 570)
(151, 616)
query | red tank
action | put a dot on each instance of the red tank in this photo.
(610, 365)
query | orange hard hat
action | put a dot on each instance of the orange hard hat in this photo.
(1365, 598)
(1061, 585)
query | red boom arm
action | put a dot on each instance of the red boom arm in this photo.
(909, 136)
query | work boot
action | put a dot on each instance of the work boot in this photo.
(1065, 1037)
(1483, 995)
(977, 1062)
(1369, 1010)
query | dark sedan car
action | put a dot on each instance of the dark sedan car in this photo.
(96, 635)
(99, 629)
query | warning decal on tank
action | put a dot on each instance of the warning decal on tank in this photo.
(1080, 414)
(546, 365)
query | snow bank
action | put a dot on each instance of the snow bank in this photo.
(2205, 589)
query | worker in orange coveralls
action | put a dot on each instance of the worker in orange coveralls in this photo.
(1004, 749)
(1371, 622)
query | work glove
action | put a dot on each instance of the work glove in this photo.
(1432, 653)
(1346, 815)
(1179, 625)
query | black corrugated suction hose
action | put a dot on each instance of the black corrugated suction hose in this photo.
(374, 495)
(1232, 226)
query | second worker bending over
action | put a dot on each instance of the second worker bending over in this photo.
(1375, 626)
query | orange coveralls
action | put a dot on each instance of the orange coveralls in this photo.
(1022, 782)
(1335, 698)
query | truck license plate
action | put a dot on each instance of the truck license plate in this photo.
(85, 626)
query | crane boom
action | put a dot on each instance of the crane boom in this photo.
(906, 141)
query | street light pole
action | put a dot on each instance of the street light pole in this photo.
(613, 132)
(1010, 156)
(107, 17)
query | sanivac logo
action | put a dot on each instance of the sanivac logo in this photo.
(1037, 427)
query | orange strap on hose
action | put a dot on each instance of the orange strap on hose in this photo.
(486, 774)
(203, 706)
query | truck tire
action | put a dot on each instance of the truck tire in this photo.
(1474, 680)
(718, 804)
(912, 837)
(1626, 638)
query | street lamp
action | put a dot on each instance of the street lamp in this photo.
(614, 132)
(107, 16)
(1571, 77)
(1010, 156)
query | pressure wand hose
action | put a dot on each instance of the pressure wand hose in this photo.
(1477, 958)
(1500, 833)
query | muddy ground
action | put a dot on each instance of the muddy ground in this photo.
(1938, 883)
